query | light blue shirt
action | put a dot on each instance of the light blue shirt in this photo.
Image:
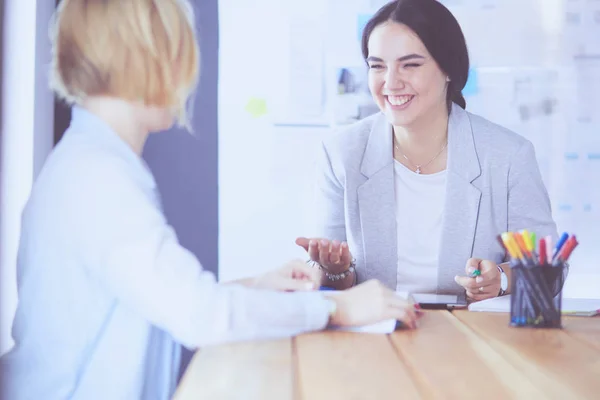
(107, 294)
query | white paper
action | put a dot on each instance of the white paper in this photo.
(569, 306)
(387, 326)
(496, 304)
(580, 306)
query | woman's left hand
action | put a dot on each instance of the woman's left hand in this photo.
(484, 286)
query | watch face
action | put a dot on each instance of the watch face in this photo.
(503, 281)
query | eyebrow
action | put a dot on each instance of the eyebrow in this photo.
(403, 58)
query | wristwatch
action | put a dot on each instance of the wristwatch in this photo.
(503, 282)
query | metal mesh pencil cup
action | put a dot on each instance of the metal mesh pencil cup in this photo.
(536, 299)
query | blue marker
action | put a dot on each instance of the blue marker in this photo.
(560, 243)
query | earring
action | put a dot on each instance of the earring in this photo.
(447, 79)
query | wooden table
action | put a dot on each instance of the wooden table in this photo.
(462, 355)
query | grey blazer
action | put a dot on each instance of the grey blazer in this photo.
(493, 186)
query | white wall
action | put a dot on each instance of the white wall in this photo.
(27, 132)
(263, 173)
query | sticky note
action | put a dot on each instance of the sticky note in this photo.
(256, 107)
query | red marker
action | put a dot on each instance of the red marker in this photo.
(567, 249)
(542, 248)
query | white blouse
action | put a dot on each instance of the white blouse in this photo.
(420, 203)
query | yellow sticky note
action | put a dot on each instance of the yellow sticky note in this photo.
(256, 107)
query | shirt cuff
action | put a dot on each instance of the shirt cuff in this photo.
(315, 310)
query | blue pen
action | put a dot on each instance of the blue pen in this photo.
(560, 244)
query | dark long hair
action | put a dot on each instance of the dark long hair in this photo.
(439, 31)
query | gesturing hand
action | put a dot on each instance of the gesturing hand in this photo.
(333, 255)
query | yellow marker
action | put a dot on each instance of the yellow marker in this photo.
(508, 245)
(515, 246)
(528, 240)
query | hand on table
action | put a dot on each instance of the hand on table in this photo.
(371, 302)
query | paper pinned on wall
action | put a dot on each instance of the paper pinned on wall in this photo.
(591, 29)
(306, 94)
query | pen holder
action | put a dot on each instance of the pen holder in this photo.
(536, 298)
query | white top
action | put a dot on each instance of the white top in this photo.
(107, 294)
(419, 211)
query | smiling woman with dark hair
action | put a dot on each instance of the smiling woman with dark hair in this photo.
(415, 192)
(441, 35)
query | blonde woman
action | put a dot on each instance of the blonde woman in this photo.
(106, 293)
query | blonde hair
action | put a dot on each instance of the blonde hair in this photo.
(137, 50)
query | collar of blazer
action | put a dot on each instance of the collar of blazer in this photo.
(462, 155)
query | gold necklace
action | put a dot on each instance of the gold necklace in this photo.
(418, 167)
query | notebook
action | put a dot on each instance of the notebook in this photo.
(576, 307)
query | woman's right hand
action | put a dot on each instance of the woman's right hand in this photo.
(333, 255)
(371, 302)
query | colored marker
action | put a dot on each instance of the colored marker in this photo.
(566, 250)
(527, 240)
(559, 244)
(510, 242)
(530, 245)
(542, 247)
(475, 273)
(523, 247)
(506, 243)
